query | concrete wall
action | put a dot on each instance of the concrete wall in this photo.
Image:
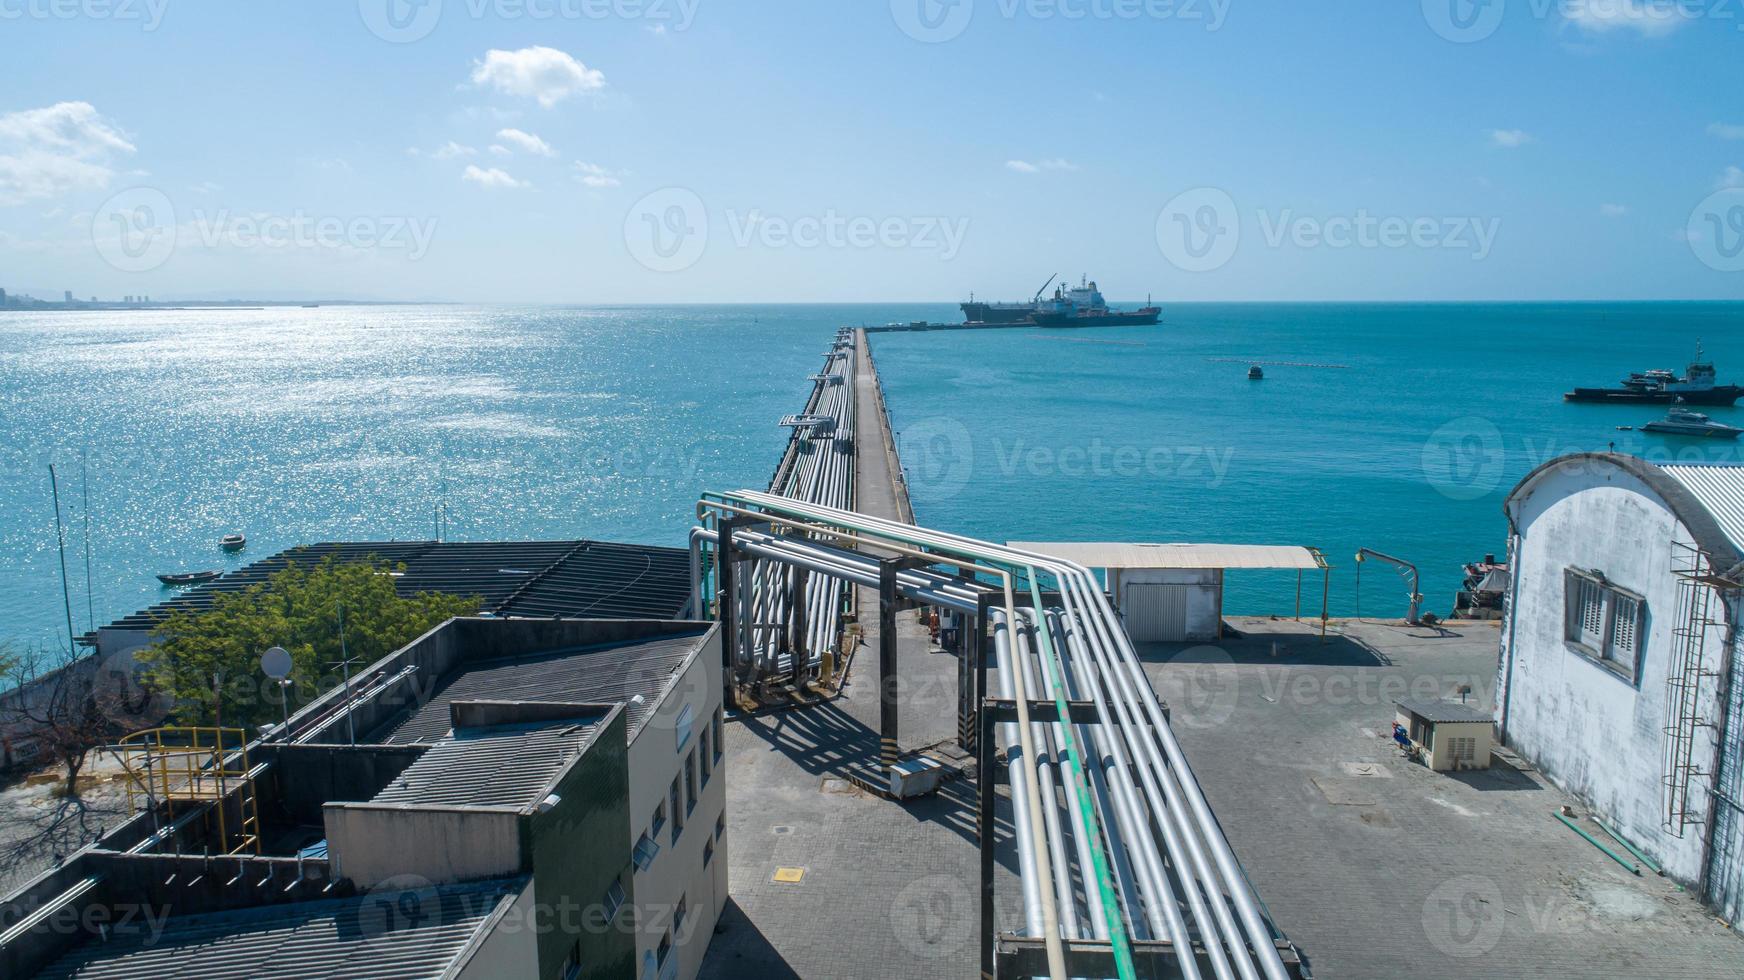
(1592, 732)
(305, 778)
(370, 844)
(509, 949)
(578, 849)
(656, 758)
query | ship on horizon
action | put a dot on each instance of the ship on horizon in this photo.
(1698, 386)
(1082, 306)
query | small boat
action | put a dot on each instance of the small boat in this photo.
(1256, 373)
(1683, 422)
(182, 579)
(233, 542)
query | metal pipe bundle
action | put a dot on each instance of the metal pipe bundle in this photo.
(1115, 840)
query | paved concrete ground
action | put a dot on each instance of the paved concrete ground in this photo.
(1377, 867)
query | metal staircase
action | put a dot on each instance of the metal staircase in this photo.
(196, 767)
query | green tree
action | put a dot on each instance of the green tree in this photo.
(209, 661)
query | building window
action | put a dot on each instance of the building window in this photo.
(703, 755)
(708, 852)
(689, 783)
(614, 900)
(1603, 622)
(719, 745)
(676, 798)
(659, 819)
(720, 825)
(646, 850)
(678, 917)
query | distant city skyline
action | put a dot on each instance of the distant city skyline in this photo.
(677, 152)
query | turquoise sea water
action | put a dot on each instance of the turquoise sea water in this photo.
(339, 423)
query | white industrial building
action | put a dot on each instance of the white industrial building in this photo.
(1618, 651)
(1173, 593)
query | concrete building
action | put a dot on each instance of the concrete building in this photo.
(1173, 593)
(499, 799)
(1619, 649)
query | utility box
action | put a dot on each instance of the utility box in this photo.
(915, 777)
(1450, 736)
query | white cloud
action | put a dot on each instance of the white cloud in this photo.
(490, 178)
(594, 175)
(526, 141)
(1025, 167)
(658, 30)
(451, 149)
(498, 150)
(541, 73)
(1510, 139)
(205, 187)
(1613, 210)
(1726, 131)
(1648, 18)
(48, 151)
(1733, 177)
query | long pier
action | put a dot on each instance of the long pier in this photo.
(1124, 870)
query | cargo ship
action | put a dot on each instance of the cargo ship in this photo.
(976, 311)
(1085, 307)
(1697, 387)
(1080, 307)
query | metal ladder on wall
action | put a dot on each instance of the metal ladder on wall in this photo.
(1698, 588)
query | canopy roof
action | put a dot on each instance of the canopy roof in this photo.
(1116, 554)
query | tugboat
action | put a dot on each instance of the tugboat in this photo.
(1696, 387)
(1682, 422)
(1085, 307)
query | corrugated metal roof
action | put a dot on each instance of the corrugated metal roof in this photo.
(1439, 711)
(1719, 488)
(1116, 554)
(491, 767)
(589, 675)
(574, 579)
(340, 939)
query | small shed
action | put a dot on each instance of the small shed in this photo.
(1173, 593)
(1450, 735)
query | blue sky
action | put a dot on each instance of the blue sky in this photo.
(602, 151)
